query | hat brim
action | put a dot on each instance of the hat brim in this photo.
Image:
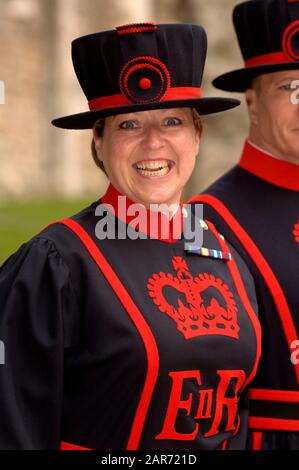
(87, 119)
(240, 80)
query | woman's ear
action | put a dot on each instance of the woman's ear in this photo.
(197, 141)
(198, 135)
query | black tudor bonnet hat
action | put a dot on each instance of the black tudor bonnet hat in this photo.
(268, 36)
(139, 67)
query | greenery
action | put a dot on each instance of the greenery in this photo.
(19, 221)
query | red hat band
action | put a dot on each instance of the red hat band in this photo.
(175, 93)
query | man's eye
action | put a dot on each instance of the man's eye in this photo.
(128, 125)
(286, 87)
(172, 121)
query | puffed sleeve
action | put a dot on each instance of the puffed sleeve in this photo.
(34, 296)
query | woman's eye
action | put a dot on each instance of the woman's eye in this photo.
(172, 121)
(128, 125)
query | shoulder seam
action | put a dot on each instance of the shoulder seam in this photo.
(40, 236)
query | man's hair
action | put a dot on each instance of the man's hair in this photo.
(99, 126)
(256, 84)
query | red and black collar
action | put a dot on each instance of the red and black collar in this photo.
(268, 168)
(153, 224)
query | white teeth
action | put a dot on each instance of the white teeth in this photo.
(153, 165)
(153, 168)
(161, 172)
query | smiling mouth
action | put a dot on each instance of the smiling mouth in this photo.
(154, 168)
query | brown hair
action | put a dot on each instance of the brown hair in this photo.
(99, 130)
(256, 84)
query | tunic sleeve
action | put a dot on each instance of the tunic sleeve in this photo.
(35, 295)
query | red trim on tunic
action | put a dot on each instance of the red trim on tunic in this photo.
(269, 277)
(224, 445)
(275, 424)
(154, 223)
(257, 438)
(247, 305)
(277, 172)
(244, 299)
(274, 395)
(268, 59)
(174, 93)
(68, 446)
(139, 322)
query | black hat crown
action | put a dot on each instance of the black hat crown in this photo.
(268, 36)
(138, 67)
(117, 68)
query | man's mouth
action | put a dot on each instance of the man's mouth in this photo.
(154, 168)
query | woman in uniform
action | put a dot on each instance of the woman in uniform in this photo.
(124, 328)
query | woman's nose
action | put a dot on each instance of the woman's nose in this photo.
(153, 137)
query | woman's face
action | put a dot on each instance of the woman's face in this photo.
(149, 155)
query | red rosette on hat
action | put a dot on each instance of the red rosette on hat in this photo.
(272, 45)
(290, 40)
(144, 79)
(296, 232)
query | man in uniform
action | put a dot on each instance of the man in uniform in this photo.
(256, 206)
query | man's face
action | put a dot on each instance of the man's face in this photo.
(274, 119)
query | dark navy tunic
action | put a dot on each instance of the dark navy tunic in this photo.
(125, 344)
(256, 207)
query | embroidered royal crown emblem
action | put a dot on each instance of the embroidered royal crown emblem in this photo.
(201, 305)
(296, 231)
